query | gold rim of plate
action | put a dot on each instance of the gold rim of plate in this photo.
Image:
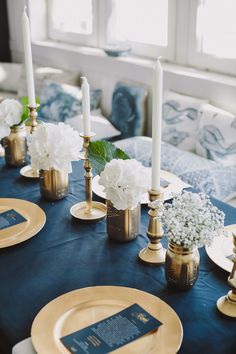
(175, 186)
(221, 248)
(29, 172)
(80, 308)
(15, 234)
(98, 211)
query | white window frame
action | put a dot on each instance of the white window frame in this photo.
(73, 38)
(202, 60)
(153, 51)
(100, 18)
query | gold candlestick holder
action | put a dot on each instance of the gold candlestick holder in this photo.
(227, 303)
(33, 117)
(27, 171)
(154, 253)
(88, 210)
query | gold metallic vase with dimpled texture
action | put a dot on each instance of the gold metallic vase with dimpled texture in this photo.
(53, 184)
(123, 225)
(15, 146)
(181, 266)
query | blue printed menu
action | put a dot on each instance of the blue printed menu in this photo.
(9, 218)
(112, 333)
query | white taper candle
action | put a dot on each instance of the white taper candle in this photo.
(86, 107)
(28, 59)
(156, 125)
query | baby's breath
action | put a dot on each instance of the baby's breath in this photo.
(192, 220)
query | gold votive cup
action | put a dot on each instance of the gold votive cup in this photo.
(123, 225)
(15, 146)
(53, 184)
(181, 266)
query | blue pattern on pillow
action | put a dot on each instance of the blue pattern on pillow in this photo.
(128, 109)
(212, 140)
(206, 176)
(61, 101)
(180, 120)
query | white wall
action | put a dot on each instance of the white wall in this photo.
(103, 72)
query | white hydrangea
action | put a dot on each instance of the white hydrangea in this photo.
(192, 220)
(125, 182)
(10, 114)
(54, 146)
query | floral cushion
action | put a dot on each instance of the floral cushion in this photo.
(180, 120)
(61, 101)
(217, 135)
(206, 176)
(129, 109)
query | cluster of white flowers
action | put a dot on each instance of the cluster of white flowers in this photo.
(125, 182)
(10, 114)
(192, 220)
(54, 146)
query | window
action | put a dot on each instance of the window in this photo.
(72, 21)
(212, 40)
(197, 33)
(147, 24)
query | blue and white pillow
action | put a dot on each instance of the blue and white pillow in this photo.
(61, 101)
(217, 135)
(129, 109)
(180, 120)
(206, 176)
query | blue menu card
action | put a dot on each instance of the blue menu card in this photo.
(112, 333)
(9, 218)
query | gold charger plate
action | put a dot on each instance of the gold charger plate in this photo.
(221, 248)
(80, 308)
(175, 186)
(34, 215)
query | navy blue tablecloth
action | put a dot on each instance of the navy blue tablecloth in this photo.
(67, 255)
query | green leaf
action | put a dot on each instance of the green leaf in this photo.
(101, 152)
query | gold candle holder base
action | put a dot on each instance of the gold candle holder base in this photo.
(29, 172)
(97, 211)
(154, 253)
(227, 304)
(88, 210)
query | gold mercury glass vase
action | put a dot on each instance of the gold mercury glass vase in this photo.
(53, 184)
(123, 225)
(181, 266)
(15, 146)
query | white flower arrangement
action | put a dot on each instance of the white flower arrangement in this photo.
(192, 220)
(10, 114)
(54, 146)
(125, 182)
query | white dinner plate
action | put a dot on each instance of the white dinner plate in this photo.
(175, 186)
(221, 249)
